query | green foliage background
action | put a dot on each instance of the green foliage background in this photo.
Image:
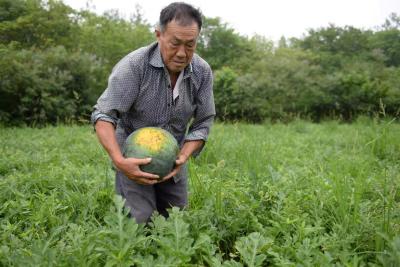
(55, 62)
(298, 194)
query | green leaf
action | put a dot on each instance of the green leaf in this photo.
(251, 249)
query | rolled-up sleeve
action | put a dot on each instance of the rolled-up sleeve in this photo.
(204, 113)
(121, 92)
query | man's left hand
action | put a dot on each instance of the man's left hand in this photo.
(182, 158)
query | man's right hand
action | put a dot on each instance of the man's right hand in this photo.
(130, 167)
(105, 131)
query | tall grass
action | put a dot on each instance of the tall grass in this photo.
(272, 194)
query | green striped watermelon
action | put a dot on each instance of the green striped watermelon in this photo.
(155, 143)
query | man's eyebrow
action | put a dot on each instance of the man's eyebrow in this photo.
(182, 41)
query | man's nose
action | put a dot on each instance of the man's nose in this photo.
(181, 51)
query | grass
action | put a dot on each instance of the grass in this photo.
(297, 194)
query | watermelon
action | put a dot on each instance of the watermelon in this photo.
(155, 143)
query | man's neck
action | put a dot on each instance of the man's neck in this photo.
(174, 77)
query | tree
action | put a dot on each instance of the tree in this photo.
(47, 86)
(388, 40)
(216, 37)
(37, 23)
(110, 37)
(11, 9)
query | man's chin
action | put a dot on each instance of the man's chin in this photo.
(176, 69)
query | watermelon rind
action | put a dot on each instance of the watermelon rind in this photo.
(155, 143)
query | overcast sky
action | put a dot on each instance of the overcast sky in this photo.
(270, 18)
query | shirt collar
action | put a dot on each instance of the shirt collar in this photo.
(156, 61)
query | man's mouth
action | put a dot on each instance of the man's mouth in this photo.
(179, 62)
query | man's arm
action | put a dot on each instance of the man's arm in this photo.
(105, 132)
(204, 113)
(189, 147)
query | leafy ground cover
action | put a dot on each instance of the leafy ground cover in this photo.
(297, 194)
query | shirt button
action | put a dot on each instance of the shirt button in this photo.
(169, 104)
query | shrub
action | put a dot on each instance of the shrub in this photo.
(48, 86)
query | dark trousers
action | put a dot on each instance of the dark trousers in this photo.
(143, 200)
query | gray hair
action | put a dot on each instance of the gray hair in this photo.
(182, 13)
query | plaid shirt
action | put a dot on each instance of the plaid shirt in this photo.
(139, 94)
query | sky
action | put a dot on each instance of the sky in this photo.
(269, 18)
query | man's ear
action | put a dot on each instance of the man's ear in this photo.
(158, 33)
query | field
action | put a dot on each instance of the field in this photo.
(297, 194)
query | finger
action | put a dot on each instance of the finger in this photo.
(141, 161)
(145, 181)
(179, 161)
(171, 174)
(141, 180)
(147, 175)
(165, 178)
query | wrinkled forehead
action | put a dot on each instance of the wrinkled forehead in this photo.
(181, 22)
(184, 32)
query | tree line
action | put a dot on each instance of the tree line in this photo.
(55, 62)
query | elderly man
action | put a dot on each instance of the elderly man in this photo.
(164, 85)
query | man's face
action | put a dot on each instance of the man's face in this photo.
(177, 45)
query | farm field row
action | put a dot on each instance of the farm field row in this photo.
(297, 194)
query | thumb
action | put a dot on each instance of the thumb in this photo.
(181, 159)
